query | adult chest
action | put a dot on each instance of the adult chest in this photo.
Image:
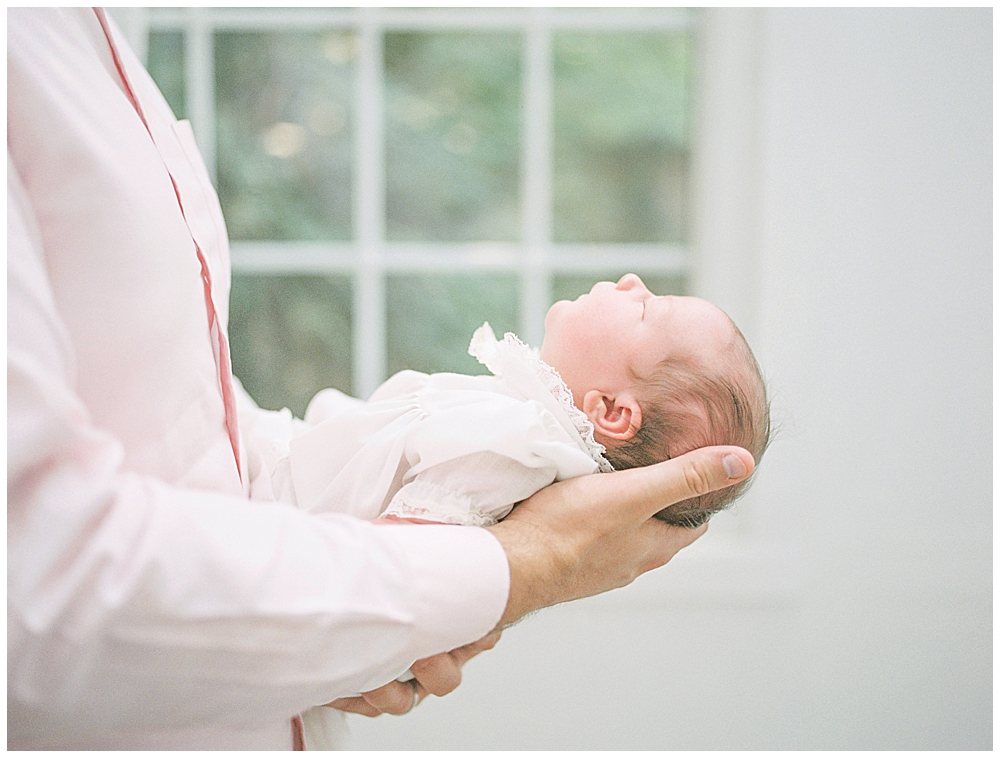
(122, 205)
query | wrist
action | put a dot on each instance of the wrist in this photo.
(538, 569)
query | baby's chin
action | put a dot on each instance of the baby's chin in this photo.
(558, 311)
(556, 308)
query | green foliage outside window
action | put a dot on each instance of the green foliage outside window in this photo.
(283, 124)
(453, 136)
(621, 137)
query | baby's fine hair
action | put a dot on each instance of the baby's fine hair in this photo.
(685, 407)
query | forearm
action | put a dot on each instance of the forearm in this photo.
(225, 611)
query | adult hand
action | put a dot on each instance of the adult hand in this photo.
(584, 536)
(437, 675)
(570, 540)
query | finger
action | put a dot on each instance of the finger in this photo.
(396, 698)
(466, 652)
(698, 472)
(355, 705)
(666, 541)
(439, 674)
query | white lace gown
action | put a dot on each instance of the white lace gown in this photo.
(447, 448)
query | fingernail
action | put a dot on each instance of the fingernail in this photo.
(734, 467)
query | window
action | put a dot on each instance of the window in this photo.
(393, 178)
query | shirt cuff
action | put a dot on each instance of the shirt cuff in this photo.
(461, 582)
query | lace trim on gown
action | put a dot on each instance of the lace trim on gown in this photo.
(488, 350)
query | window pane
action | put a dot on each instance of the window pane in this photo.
(571, 286)
(452, 131)
(621, 137)
(431, 319)
(283, 121)
(166, 66)
(290, 337)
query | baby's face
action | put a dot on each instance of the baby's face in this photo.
(617, 330)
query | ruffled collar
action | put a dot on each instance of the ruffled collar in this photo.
(521, 367)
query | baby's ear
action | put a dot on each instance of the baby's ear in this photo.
(618, 418)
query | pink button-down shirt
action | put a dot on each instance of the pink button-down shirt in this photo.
(150, 604)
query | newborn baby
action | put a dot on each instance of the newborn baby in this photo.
(624, 378)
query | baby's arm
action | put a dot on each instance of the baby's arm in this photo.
(478, 489)
(472, 461)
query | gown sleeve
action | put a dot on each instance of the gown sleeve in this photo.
(473, 461)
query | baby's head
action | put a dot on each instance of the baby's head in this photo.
(659, 376)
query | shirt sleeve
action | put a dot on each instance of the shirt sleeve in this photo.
(135, 604)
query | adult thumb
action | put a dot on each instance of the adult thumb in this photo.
(695, 473)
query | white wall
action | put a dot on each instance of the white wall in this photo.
(849, 603)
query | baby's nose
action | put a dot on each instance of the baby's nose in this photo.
(629, 282)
